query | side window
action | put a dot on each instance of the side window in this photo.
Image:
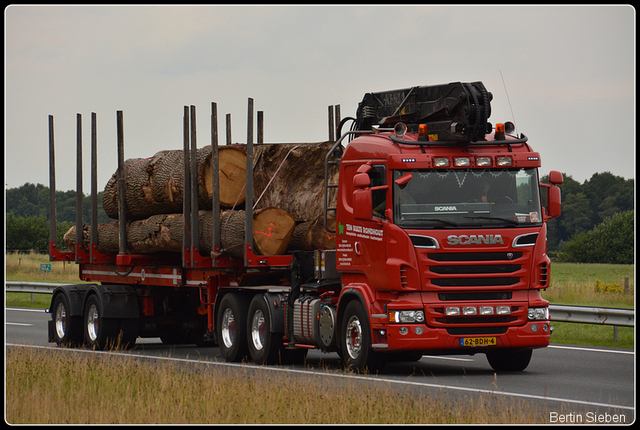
(378, 175)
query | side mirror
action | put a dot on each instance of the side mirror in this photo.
(554, 205)
(555, 177)
(404, 179)
(362, 204)
(361, 180)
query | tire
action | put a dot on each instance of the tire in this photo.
(99, 332)
(264, 346)
(231, 327)
(67, 329)
(355, 341)
(509, 361)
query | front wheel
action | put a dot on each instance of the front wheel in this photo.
(264, 346)
(231, 327)
(509, 361)
(357, 352)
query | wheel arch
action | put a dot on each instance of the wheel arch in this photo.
(75, 295)
(348, 295)
(116, 301)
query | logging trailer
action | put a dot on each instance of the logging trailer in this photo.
(440, 248)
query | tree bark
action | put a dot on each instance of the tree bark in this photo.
(155, 185)
(286, 176)
(291, 177)
(273, 229)
(311, 235)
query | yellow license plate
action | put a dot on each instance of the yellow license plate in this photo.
(478, 341)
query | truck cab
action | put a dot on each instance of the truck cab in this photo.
(442, 239)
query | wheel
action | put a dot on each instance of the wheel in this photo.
(67, 329)
(505, 361)
(231, 327)
(356, 340)
(99, 332)
(264, 346)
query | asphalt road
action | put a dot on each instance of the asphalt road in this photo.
(569, 381)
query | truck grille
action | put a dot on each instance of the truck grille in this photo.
(482, 269)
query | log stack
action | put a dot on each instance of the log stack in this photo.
(288, 201)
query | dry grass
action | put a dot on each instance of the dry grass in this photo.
(600, 285)
(26, 268)
(70, 387)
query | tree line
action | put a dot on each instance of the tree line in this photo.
(596, 224)
(27, 216)
(599, 200)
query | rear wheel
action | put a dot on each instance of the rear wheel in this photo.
(264, 346)
(513, 361)
(231, 327)
(99, 332)
(67, 329)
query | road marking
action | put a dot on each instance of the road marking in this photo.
(27, 310)
(577, 348)
(22, 324)
(316, 372)
(439, 357)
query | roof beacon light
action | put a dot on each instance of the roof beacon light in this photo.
(423, 132)
(499, 135)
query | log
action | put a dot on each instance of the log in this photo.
(297, 171)
(155, 185)
(286, 176)
(311, 235)
(273, 229)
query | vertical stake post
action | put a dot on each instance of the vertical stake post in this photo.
(248, 231)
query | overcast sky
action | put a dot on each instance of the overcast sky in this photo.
(569, 73)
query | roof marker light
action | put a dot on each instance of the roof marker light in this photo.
(503, 161)
(461, 161)
(441, 162)
(483, 161)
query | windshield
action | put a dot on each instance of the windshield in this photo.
(467, 198)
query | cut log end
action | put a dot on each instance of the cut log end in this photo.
(272, 230)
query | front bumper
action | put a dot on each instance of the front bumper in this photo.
(413, 337)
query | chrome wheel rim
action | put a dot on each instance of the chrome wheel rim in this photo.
(258, 330)
(92, 322)
(61, 321)
(354, 337)
(228, 328)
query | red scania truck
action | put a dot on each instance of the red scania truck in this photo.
(440, 249)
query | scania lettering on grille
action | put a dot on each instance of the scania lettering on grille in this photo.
(480, 239)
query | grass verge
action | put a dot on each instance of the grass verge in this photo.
(71, 387)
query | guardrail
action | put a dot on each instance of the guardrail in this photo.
(573, 314)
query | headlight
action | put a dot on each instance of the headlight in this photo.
(411, 316)
(538, 314)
